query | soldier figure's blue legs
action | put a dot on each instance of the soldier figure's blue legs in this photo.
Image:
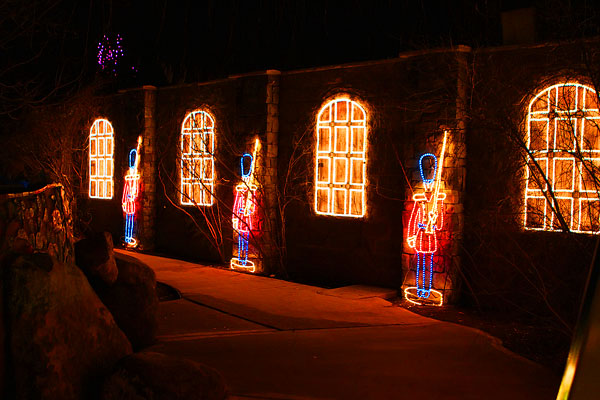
(243, 237)
(129, 229)
(422, 270)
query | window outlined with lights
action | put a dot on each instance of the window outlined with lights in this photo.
(563, 162)
(100, 159)
(340, 159)
(197, 161)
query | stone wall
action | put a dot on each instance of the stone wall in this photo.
(146, 217)
(271, 240)
(408, 100)
(239, 107)
(506, 266)
(126, 112)
(37, 221)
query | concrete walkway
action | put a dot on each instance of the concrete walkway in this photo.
(274, 339)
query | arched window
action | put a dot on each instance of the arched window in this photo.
(340, 164)
(562, 176)
(101, 159)
(197, 159)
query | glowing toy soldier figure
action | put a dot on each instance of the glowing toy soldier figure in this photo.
(130, 194)
(426, 219)
(244, 208)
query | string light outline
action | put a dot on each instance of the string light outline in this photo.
(356, 119)
(197, 189)
(427, 210)
(581, 95)
(101, 181)
(410, 297)
(245, 194)
(131, 192)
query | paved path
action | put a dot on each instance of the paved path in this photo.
(274, 339)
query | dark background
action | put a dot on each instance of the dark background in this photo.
(49, 47)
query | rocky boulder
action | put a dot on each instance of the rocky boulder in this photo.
(95, 256)
(132, 300)
(157, 376)
(60, 339)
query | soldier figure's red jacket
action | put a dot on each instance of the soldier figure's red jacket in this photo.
(130, 193)
(422, 239)
(243, 207)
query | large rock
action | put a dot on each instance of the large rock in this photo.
(95, 256)
(157, 376)
(60, 338)
(133, 301)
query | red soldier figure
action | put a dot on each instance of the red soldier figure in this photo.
(244, 208)
(427, 217)
(130, 194)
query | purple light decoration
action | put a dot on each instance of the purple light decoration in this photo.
(109, 52)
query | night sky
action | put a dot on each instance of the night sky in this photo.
(49, 47)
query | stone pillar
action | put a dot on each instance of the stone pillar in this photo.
(457, 168)
(271, 241)
(149, 170)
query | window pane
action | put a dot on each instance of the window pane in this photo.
(564, 138)
(567, 96)
(324, 139)
(535, 209)
(197, 194)
(590, 134)
(101, 167)
(591, 100)
(208, 143)
(185, 143)
(538, 139)
(207, 169)
(198, 146)
(109, 165)
(565, 209)
(323, 170)
(358, 139)
(322, 200)
(208, 197)
(356, 202)
(564, 174)
(357, 113)
(341, 111)
(541, 103)
(339, 201)
(341, 139)
(357, 171)
(589, 179)
(536, 179)
(590, 215)
(325, 115)
(340, 170)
